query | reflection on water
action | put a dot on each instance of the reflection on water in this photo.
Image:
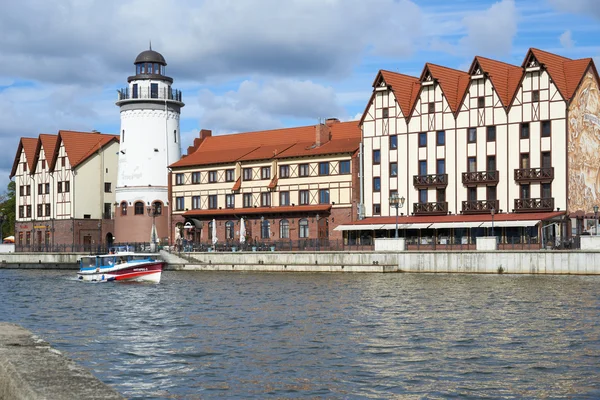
(284, 335)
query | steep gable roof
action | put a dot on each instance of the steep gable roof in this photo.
(405, 88)
(27, 145)
(48, 142)
(277, 143)
(79, 146)
(453, 83)
(505, 77)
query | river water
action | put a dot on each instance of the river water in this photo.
(207, 335)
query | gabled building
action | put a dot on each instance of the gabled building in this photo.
(64, 191)
(286, 184)
(494, 140)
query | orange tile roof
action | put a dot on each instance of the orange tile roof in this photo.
(277, 143)
(79, 146)
(273, 183)
(49, 143)
(505, 77)
(453, 82)
(28, 145)
(237, 185)
(405, 88)
(258, 210)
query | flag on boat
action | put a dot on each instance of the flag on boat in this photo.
(242, 231)
(214, 232)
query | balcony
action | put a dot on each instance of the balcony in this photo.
(480, 177)
(534, 174)
(434, 208)
(146, 93)
(534, 205)
(480, 206)
(434, 180)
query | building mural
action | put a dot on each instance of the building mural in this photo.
(584, 146)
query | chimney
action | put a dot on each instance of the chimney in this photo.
(204, 133)
(322, 134)
(331, 121)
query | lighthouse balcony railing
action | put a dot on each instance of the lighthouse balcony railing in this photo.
(141, 93)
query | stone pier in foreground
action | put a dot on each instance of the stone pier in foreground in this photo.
(31, 369)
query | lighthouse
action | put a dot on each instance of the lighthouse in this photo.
(149, 143)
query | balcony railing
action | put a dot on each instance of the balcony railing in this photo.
(534, 174)
(480, 177)
(148, 93)
(430, 180)
(434, 208)
(479, 206)
(533, 205)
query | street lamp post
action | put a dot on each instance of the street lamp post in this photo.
(493, 212)
(396, 202)
(596, 219)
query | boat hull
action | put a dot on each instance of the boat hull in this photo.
(140, 272)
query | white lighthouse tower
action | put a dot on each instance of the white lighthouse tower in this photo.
(150, 142)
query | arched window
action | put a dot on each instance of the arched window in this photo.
(265, 231)
(139, 208)
(229, 230)
(157, 207)
(123, 208)
(284, 229)
(303, 228)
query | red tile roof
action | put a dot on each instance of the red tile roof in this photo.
(49, 143)
(28, 145)
(505, 77)
(405, 88)
(277, 143)
(258, 210)
(541, 216)
(237, 185)
(79, 146)
(453, 82)
(273, 183)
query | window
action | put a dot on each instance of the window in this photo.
(195, 202)
(28, 187)
(43, 164)
(525, 191)
(431, 107)
(546, 159)
(491, 163)
(28, 238)
(393, 142)
(423, 139)
(324, 168)
(303, 197)
(134, 90)
(284, 198)
(265, 199)
(212, 176)
(472, 193)
(154, 90)
(423, 196)
(47, 185)
(139, 208)
(546, 190)
(524, 132)
(323, 196)
(21, 190)
(179, 179)
(303, 170)
(376, 209)
(284, 171)
(284, 229)
(376, 156)
(229, 230)
(546, 129)
(67, 187)
(265, 229)
(491, 133)
(440, 195)
(376, 184)
(24, 167)
(123, 208)
(212, 201)
(229, 175)
(491, 193)
(303, 228)
(230, 201)
(480, 102)
(247, 172)
(40, 189)
(535, 96)
(422, 167)
(441, 138)
(441, 166)
(175, 135)
(385, 112)
(471, 164)
(344, 167)
(59, 187)
(472, 135)
(524, 161)
(21, 212)
(394, 169)
(40, 210)
(265, 173)
(195, 178)
(157, 208)
(122, 141)
(179, 203)
(107, 188)
(63, 160)
(247, 198)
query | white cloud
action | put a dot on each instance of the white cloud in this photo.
(492, 31)
(566, 39)
(588, 7)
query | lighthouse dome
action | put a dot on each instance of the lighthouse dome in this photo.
(150, 56)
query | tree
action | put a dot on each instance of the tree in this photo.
(7, 208)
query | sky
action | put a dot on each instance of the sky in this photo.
(246, 65)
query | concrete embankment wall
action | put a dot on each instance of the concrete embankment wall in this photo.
(30, 369)
(40, 260)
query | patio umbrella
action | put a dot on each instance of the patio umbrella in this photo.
(214, 232)
(242, 231)
(9, 239)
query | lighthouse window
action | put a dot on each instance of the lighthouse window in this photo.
(175, 135)
(154, 90)
(135, 91)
